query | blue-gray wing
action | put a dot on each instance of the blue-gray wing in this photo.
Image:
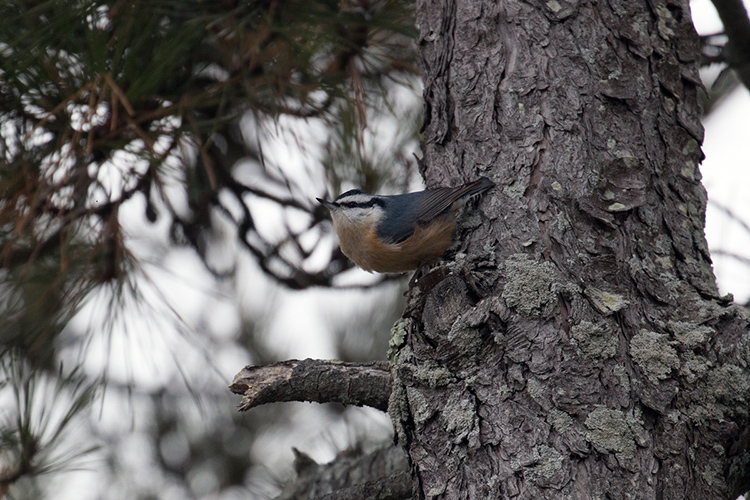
(404, 212)
(437, 201)
(400, 217)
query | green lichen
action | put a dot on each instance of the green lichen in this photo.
(654, 354)
(691, 146)
(690, 334)
(535, 389)
(554, 6)
(420, 410)
(606, 302)
(743, 350)
(666, 262)
(559, 420)
(631, 162)
(711, 471)
(635, 422)
(738, 466)
(566, 288)
(702, 412)
(398, 409)
(436, 491)
(470, 219)
(707, 309)
(529, 285)
(617, 207)
(516, 189)
(622, 376)
(545, 463)
(608, 429)
(665, 17)
(688, 171)
(467, 340)
(434, 376)
(459, 414)
(595, 339)
(488, 250)
(562, 221)
(729, 384)
(723, 389)
(397, 339)
(694, 367)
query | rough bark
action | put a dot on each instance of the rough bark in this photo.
(320, 381)
(576, 345)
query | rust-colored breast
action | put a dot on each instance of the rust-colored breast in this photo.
(425, 245)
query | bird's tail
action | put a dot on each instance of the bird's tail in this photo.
(476, 187)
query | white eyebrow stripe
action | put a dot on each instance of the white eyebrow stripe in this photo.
(355, 198)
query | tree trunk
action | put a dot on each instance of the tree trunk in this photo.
(577, 346)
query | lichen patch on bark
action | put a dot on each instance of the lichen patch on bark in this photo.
(530, 284)
(609, 429)
(654, 354)
(595, 339)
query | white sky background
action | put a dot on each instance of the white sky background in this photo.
(726, 173)
(300, 323)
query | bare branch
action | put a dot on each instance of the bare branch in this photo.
(732, 255)
(321, 381)
(732, 215)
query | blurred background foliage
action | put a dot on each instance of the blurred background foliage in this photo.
(160, 159)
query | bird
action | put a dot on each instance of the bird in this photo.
(399, 233)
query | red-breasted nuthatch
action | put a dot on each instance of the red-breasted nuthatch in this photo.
(399, 233)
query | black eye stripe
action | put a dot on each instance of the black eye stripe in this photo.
(367, 204)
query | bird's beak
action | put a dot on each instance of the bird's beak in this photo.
(329, 205)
